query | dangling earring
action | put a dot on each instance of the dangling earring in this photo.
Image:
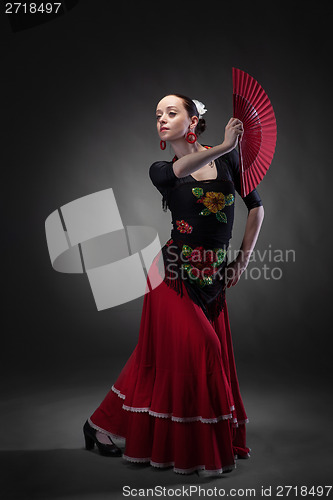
(162, 144)
(191, 137)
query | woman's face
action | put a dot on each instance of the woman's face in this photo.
(173, 121)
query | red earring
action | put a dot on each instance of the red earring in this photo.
(191, 137)
(162, 144)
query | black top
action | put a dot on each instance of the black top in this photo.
(206, 206)
(202, 218)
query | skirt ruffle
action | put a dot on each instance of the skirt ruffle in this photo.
(177, 401)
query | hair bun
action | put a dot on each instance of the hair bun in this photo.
(201, 127)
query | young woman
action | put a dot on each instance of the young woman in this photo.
(177, 400)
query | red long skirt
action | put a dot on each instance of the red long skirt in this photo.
(177, 400)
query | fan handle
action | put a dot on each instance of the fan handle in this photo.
(241, 168)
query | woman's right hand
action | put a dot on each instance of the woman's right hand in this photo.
(233, 130)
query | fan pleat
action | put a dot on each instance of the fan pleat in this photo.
(252, 106)
(250, 153)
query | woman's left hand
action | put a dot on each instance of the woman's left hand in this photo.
(234, 271)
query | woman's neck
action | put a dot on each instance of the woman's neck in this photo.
(183, 148)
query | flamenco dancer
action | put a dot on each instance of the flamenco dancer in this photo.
(177, 401)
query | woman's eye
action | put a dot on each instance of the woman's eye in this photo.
(171, 113)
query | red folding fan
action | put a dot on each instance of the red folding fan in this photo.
(256, 149)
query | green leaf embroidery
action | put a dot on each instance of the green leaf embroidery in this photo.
(186, 267)
(221, 216)
(205, 211)
(198, 192)
(187, 250)
(220, 254)
(229, 199)
(208, 280)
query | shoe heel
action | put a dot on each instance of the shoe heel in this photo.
(90, 443)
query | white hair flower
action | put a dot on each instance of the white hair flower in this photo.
(200, 107)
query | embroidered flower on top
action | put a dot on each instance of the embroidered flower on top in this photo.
(202, 264)
(183, 226)
(214, 202)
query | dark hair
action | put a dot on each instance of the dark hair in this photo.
(192, 111)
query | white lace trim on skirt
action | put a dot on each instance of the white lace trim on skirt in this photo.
(208, 472)
(198, 418)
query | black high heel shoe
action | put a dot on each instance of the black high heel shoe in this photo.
(108, 450)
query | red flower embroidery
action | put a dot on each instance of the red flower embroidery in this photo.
(183, 226)
(203, 259)
(202, 263)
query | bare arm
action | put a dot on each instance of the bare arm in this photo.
(193, 161)
(251, 233)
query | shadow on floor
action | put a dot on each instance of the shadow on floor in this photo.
(285, 457)
(42, 452)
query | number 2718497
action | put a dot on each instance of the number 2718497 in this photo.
(32, 8)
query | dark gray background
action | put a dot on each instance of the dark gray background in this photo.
(78, 115)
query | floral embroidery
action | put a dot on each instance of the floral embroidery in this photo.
(197, 192)
(169, 242)
(184, 227)
(202, 264)
(214, 203)
(186, 250)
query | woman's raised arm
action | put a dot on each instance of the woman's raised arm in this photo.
(191, 162)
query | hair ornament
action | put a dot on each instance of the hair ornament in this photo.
(200, 107)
